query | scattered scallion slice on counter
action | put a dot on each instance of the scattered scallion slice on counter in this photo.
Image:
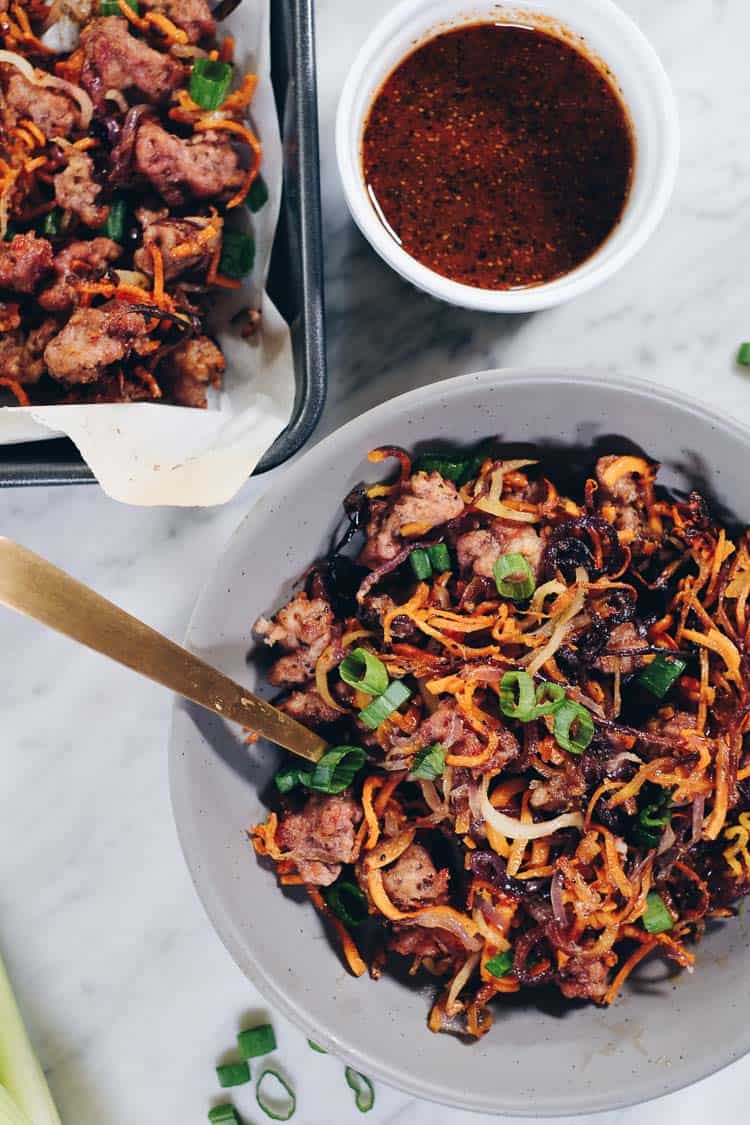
(273, 1107)
(514, 578)
(364, 1091)
(549, 698)
(500, 965)
(336, 770)
(24, 1094)
(347, 902)
(256, 1041)
(517, 698)
(420, 563)
(237, 254)
(315, 1047)
(743, 355)
(224, 1114)
(114, 227)
(209, 82)
(233, 1074)
(51, 223)
(364, 671)
(661, 674)
(257, 197)
(440, 558)
(656, 919)
(378, 711)
(574, 727)
(429, 763)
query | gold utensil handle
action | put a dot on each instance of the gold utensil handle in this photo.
(32, 586)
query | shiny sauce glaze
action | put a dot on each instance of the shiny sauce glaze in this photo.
(499, 156)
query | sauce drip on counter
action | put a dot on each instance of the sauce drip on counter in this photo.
(499, 156)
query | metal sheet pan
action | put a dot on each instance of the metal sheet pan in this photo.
(296, 274)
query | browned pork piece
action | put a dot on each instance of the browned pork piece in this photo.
(54, 113)
(193, 16)
(626, 491)
(76, 189)
(92, 340)
(414, 882)
(583, 980)
(75, 262)
(321, 837)
(191, 369)
(115, 59)
(309, 708)
(204, 166)
(303, 628)
(168, 235)
(479, 550)
(424, 502)
(623, 638)
(23, 262)
(22, 355)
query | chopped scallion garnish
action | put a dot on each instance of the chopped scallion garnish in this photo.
(364, 671)
(743, 355)
(51, 223)
(289, 777)
(347, 902)
(315, 1047)
(209, 82)
(574, 727)
(256, 1041)
(451, 468)
(549, 698)
(500, 965)
(514, 577)
(237, 254)
(112, 8)
(379, 710)
(517, 698)
(661, 674)
(656, 918)
(224, 1114)
(364, 1090)
(336, 770)
(420, 564)
(429, 763)
(273, 1107)
(257, 197)
(233, 1074)
(440, 558)
(114, 227)
(654, 817)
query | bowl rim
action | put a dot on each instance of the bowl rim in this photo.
(585, 277)
(297, 474)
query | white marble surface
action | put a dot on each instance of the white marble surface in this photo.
(129, 995)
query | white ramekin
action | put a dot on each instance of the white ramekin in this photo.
(608, 35)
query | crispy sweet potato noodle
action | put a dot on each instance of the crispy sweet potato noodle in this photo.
(562, 845)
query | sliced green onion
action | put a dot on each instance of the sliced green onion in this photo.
(378, 711)
(224, 1114)
(336, 770)
(25, 1097)
(549, 698)
(257, 197)
(656, 918)
(500, 965)
(654, 817)
(237, 254)
(209, 82)
(233, 1074)
(290, 777)
(111, 7)
(517, 699)
(114, 227)
(256, 1041)
(420, 564)
(364, 671)
(574, 727)
(364, 1090)
(514, 577)
(429, 763)
(743, 355)
(661, 674)
(51, 222)
(440, 558)
(315, 1047)
(448, 467)
(352, 912)
(272, 1109)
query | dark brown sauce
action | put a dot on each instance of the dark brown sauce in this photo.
(499, 156)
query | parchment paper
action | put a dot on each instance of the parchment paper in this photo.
(147, 453)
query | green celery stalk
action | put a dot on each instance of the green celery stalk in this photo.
(25, 1098)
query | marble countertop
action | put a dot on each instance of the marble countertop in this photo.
(128, 993)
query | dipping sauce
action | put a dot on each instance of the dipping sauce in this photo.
(499, 156)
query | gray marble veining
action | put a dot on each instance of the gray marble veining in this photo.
(127, 991)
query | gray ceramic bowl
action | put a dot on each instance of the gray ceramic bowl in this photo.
(534, 1061)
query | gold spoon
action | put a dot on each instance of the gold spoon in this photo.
(32, 586)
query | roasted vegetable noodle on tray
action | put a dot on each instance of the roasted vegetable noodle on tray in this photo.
(123, 163)
(537, 705)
